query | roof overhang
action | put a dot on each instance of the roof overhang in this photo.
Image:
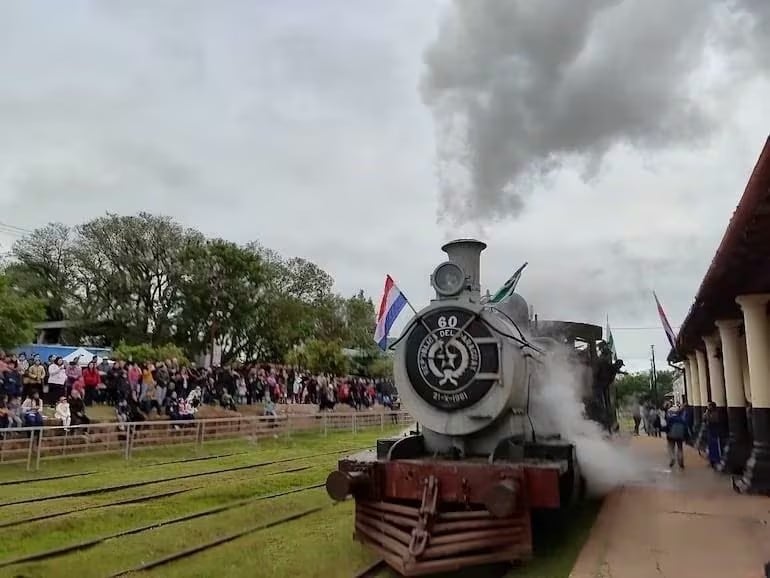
(740, 266)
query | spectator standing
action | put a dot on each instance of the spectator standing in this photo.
(57, 378)
(91, 380)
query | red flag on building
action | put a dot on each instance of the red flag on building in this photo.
(666, 325)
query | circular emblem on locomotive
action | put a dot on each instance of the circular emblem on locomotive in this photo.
(448, 357)
(452, 359)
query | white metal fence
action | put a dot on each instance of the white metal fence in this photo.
(33, 444)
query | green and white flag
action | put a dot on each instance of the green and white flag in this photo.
(611, 341)
(509, 287)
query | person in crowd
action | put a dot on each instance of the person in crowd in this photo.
(149, 398)
(74, 372)
(636, 413)
(63, 413)
(22, 363)
(688, 417)
(32, 410)
(57, 379)
(122, 413)
(91, 381)
(14, 412)
(78, 409)
(242, 390)
(12, 379)
(36, 375)
(713, 441)
(228, 402)
(676, 432)
(5, 421)
(162, 381)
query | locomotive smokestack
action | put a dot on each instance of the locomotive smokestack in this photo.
(467, 254)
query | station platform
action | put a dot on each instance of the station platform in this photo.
(677, 524)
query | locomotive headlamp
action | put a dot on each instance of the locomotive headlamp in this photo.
(448, 279)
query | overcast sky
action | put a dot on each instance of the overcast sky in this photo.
(606, 143)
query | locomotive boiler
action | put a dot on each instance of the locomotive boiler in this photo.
(461, 490)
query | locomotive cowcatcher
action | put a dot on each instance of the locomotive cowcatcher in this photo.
(461, 489)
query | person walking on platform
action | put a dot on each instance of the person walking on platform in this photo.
(714, 444)
(636, 413)
(676, 431)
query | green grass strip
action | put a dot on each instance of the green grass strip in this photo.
(45, 479)
(139, 499)
(207, 545)
(90, 543)
(119, 487)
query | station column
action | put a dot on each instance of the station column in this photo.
(756, 477)
(697, 404)
(737, 450)
(717, 382)
(703, 377)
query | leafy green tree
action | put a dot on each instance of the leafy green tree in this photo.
(18, 314)
(360, 322)
(130, 271)
(44, 267)
(326, 357)
(637, 386)
(143, 352)
(223, 298)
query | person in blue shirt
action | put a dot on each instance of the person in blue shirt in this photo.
(676, 432)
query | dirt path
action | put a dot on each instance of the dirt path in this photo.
(677, 524)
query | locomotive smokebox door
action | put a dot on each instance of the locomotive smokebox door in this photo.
(452, 359)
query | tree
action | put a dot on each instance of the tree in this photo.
(325, 357)
(223, 297)
(637, 386)
(130, 270)
(44, 267)
(18, 314)
(143, 352)
(360, 321)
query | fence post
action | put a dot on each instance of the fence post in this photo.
(354, 423)
(39, 443)
(288, 426)
(128, 440)
(198, 436)
(29, 451)
(382, 422)
(326, 415)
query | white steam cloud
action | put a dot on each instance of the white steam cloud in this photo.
(557, 407)
(519, 88)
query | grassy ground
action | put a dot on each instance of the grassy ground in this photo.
(318, 545)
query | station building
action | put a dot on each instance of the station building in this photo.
(723, 345)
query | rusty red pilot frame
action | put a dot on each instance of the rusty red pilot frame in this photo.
(424, 516)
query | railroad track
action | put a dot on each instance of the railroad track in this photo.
(22, 481)
(114, 488)
(79, 546)
(214, 543)
(137, 500)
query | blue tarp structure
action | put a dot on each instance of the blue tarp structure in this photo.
(59, 350)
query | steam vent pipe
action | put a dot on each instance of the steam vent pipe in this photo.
(467, 254)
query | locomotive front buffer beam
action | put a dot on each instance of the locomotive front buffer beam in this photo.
(431, 515)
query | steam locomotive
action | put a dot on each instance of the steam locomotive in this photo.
(461, 490)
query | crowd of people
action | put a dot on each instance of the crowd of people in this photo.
(167, 388)
(676, 422)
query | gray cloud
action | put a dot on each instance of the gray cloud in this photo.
(519, 89)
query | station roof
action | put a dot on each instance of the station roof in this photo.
(740, 266)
